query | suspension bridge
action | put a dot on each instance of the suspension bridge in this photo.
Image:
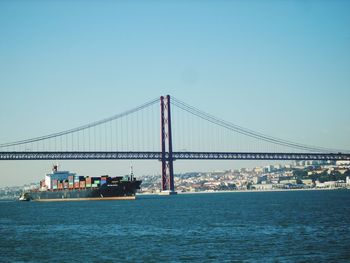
(164, 130)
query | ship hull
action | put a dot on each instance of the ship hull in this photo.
(121, 191)
(87, 199)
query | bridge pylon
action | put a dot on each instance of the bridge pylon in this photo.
(166, 147)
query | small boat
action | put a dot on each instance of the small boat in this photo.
(24, 197)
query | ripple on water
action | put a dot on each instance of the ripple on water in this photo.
(272, 227)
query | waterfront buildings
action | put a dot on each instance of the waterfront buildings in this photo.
(299, 175)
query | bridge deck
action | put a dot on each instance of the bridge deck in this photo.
(176, 156)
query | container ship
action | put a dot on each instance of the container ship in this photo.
(67, 186)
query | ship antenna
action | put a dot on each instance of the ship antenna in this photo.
(131, 172)
(55, 168)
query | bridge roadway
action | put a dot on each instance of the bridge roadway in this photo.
(176, 156)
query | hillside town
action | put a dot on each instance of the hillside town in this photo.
(298, 175)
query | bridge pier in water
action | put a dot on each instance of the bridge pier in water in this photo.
(166, 147)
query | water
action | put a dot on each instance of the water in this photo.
(298, 226)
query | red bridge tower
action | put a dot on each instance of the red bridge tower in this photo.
(166, 147)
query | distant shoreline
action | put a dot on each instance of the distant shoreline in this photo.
(253, 191)
(228, 191)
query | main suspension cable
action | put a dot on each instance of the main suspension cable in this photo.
(247, 132)
(80, 128)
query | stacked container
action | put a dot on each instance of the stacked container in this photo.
(71, 181)
(76, 182)
(54, 184)
(88, 181)
(103, 179)
(82, 184)
(95, 181)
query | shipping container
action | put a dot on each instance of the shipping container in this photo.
(88, 185)
(54, 183)
(78, 178)
(82, 184)
(76, 185)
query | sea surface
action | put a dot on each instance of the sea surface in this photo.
(291, 226)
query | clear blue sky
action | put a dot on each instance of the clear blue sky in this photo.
(278, 67)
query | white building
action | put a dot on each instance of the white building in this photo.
(56, 175)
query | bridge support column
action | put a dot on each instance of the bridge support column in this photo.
(166, 147)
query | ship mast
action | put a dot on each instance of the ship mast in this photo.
(55, 168)
(131, 172)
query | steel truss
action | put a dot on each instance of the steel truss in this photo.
(175, 156)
